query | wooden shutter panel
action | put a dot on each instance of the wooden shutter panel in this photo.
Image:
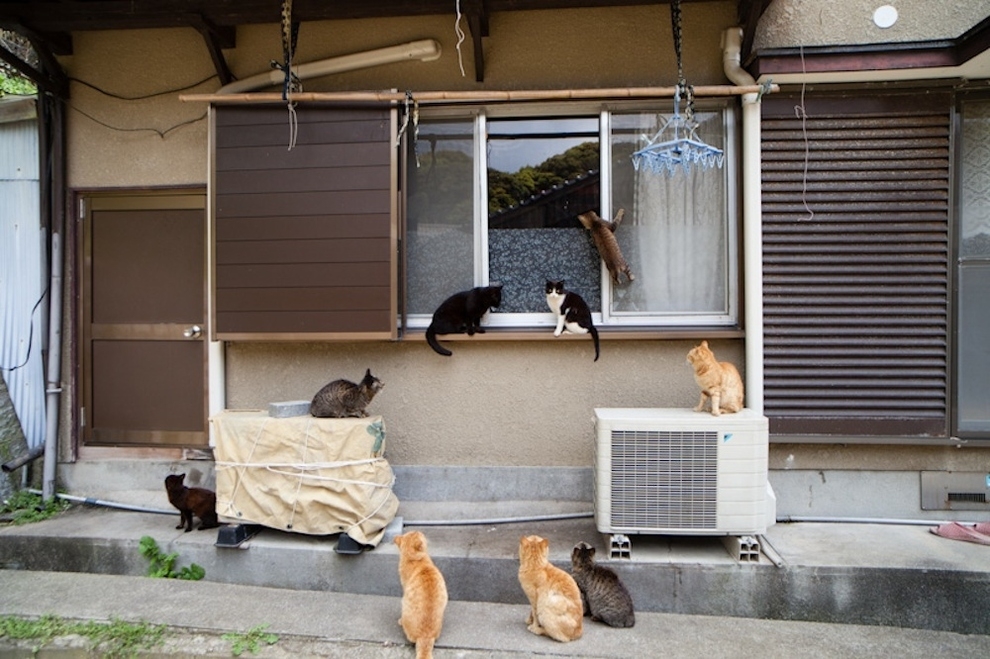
(856, 284)
(305, 238)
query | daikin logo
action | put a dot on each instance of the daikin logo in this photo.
(728, 436)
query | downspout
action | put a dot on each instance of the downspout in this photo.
(53, 378)
(752, 218)
(425, 50)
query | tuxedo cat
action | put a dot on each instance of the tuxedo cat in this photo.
(572, 312)
(461, 314)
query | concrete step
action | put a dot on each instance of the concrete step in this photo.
(874, 574)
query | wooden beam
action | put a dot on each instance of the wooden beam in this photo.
(59, 43)
(831, 59)
(216, 39)
(750, 12)
(477, 18)
(492, 96)
(55, 83)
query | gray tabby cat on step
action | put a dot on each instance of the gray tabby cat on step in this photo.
(604, 596)
(342, 398)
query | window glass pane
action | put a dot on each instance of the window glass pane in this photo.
(973, 312)
(975, 180)
(974, 358)
(440, 213)
(542, 173)
(675, 231)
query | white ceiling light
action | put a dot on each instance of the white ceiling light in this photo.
(885, 16)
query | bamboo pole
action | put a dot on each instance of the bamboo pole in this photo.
(478, 96)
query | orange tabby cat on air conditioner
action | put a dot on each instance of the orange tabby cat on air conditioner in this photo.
(719, 381)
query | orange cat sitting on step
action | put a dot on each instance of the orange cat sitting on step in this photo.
(554, 597)
(719, 381)
(424, 594)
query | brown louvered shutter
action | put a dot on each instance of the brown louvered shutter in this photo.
(855, 264)
(304, 238)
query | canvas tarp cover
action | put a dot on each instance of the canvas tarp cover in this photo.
(304, 474)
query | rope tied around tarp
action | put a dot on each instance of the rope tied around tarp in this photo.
(311, 474)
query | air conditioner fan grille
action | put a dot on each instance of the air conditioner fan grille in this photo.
(663, 479)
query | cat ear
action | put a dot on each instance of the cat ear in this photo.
(704, 344)
(367, 373)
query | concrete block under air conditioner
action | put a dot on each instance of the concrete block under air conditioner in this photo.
(955, 490)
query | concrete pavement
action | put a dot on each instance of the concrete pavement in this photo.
(328, 624)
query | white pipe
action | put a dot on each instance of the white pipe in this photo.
(90, 501)
(497, 520)
(752, 218)
(809, 519)
(53, 386)
(425, 50)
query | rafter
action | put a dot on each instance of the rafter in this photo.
(216, 38)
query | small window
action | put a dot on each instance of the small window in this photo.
(495, 197)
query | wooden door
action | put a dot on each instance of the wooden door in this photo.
(144, 359)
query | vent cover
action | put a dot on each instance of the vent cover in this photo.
(955, 490)
(663, 479)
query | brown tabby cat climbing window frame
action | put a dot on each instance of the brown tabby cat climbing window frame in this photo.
(304, 238)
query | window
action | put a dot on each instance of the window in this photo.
(973, 396)
(494, 197)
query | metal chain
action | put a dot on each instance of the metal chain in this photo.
(675, 20)
(290, 36)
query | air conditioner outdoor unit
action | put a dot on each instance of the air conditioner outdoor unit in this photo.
(680, 472)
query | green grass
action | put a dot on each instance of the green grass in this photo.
(250, 640)
(162, 565)
(110, 639)
(26, 507)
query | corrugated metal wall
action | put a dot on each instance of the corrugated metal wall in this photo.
(856, 264)
(23, 274)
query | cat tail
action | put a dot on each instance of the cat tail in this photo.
(431, 338)
(594, 337)
(424, 648)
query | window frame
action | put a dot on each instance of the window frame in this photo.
(729, 320)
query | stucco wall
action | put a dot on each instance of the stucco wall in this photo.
(559, 49)
(792, 23)
(493, 402)
(525, 403)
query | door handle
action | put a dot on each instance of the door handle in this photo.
(192, 332)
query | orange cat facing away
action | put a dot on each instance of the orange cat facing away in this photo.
(424, 593)
(719, 381)
(554, 597)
